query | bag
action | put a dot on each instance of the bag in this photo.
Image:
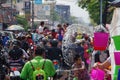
(39, 73)
(97, 74)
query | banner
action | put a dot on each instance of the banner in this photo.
(38, 1)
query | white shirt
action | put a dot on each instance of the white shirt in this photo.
(40, 29)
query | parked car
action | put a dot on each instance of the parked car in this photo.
(10, 34)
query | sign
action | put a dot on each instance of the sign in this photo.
(38, 1)
(47, 7)
(49, 1)
(27, 5)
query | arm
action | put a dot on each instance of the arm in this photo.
(25, 54)
(105, 64)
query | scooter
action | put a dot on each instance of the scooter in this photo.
(14, 74)
(15, 69)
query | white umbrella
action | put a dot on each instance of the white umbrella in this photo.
(15, 27)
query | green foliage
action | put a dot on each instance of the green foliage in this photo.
(55, 16)
(73, 19)
(22, 21)
(93, 7)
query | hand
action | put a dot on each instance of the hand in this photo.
(98, 65)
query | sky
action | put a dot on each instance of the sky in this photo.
(75, 10)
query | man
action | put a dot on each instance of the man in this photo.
(4, 66)
(41, 30)
(41, 27)
(54, 53)
(16, 54)
(27, 70)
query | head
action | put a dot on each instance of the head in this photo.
(59, 26)
(77, 59)
(54, 43)
(42, 23)
(39, 51)
(44, 41)
(45, 29)
(16, 44)
(65, 25)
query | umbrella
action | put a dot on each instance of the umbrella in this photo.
(15, 27)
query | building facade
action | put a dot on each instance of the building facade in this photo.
(64, 12)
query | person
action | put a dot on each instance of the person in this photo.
(39, 54)
(54, 53)
(5, 39)
(60, 32)
(16, 54)
(65, 26)
(41, 27)
(4, 66)
(79, 70)
(105, 64)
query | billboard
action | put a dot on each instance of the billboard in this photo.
(38, 1)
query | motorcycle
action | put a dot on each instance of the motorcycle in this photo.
(14, 74)
(15, 69)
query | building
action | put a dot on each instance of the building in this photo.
(64, 12)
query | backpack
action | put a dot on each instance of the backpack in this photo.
(38, 73)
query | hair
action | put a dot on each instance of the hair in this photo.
(67, 24)
(45, 28)
(39, 50)
(42, 23)
(59, 25)
(16, 43)
(77, 56)
(54, 42)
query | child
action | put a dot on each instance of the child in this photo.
(79, 70)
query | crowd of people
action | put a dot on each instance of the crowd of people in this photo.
(45, 46)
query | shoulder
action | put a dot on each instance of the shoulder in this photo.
(27, 65)
(46, 60)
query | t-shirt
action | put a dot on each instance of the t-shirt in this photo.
(27, 70)
(40, 29)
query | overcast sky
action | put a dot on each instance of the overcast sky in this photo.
(75, 10)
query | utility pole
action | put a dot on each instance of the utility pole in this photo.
(105, 13)
(11, 11)
(32, 14)
(101, 11)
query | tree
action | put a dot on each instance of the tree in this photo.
(93, 7)
(22, 21)
(55, 16)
